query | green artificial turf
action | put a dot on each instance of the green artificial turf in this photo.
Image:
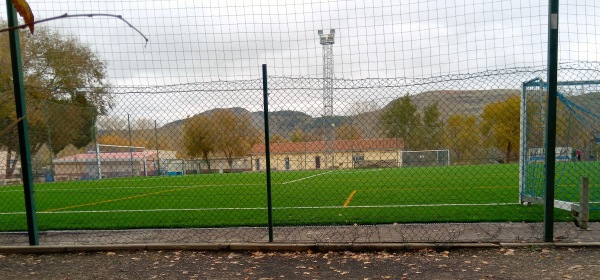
(475, 193)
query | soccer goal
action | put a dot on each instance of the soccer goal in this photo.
(110, 161)
(576, 151)
(425, 158)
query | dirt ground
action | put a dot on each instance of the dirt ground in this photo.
(497, 263)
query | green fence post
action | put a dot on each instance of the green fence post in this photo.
(49, 133)
(551, 120)
(23, 127)
(130, 145)
(267, 152)
(156, 145)
(96, 147)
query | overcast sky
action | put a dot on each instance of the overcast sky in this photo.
(203, 41)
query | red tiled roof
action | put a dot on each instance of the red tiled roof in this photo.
(339, 145)
(87, 157)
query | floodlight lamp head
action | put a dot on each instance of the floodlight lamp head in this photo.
(327, 39)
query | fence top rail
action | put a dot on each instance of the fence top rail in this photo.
(538, 82)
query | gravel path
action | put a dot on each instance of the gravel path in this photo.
(497, 263)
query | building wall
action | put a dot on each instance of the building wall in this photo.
(83, 170)
(120, 169)
(343, 160)
(68, 171)
(3, 156)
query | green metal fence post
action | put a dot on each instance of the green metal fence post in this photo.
(49, 132)
(267, 152)
(96, 147)
(551, 120)
(156, 145)
(23, 127)
(130, 145)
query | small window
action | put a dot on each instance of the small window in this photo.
(358, 157)
(287, 163)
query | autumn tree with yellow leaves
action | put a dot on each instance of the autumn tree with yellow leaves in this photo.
(500, 126)
(222, 133)
(347, 131)
(65, 91)
(199, 137)
(462, 137)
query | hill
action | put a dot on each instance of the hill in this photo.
(284, 123)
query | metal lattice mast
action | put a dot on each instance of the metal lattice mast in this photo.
(327, 41)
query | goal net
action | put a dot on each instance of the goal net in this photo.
(425, 158)
(577, 140)
(110, 161)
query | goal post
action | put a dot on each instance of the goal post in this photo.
(577, 128)
(425, 158)
(119, 161)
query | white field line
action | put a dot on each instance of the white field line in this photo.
(264, 208)
(155, 187)
(8, 191)
(301, 179)
(359, 171)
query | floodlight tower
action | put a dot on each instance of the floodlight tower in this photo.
(327, 41)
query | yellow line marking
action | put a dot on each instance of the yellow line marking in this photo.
(113, 200)
(349, 198)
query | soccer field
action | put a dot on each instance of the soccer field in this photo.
(366, 196)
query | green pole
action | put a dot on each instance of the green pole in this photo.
(156, 144)
(23, 127)
(130, 144)
(49, 140)
(96, 146)
(551, 120)
(267, 152)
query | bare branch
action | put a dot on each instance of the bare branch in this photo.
(73, 16)
(10, 126)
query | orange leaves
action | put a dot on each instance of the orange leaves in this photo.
(24, 10)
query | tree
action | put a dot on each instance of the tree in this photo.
(277, 138)
(199, 137)
(298, 135)
(235, 135)
(111, 123)
(114, 139)
(143, 124)
(401, 120)
(500, 126)
(462, 138)
(347, 131)
(65, 91)
(432, 130)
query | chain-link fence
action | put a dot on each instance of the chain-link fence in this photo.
(386, 122)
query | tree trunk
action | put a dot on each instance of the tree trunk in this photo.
(508, 150)
(208, 165)
(10, 165)
(207, 160)
(7, 163)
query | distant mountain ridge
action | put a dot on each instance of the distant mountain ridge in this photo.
(449, 102)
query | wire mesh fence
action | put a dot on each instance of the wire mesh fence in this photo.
(388, 121)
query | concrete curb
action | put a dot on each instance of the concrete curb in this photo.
(52, 249)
